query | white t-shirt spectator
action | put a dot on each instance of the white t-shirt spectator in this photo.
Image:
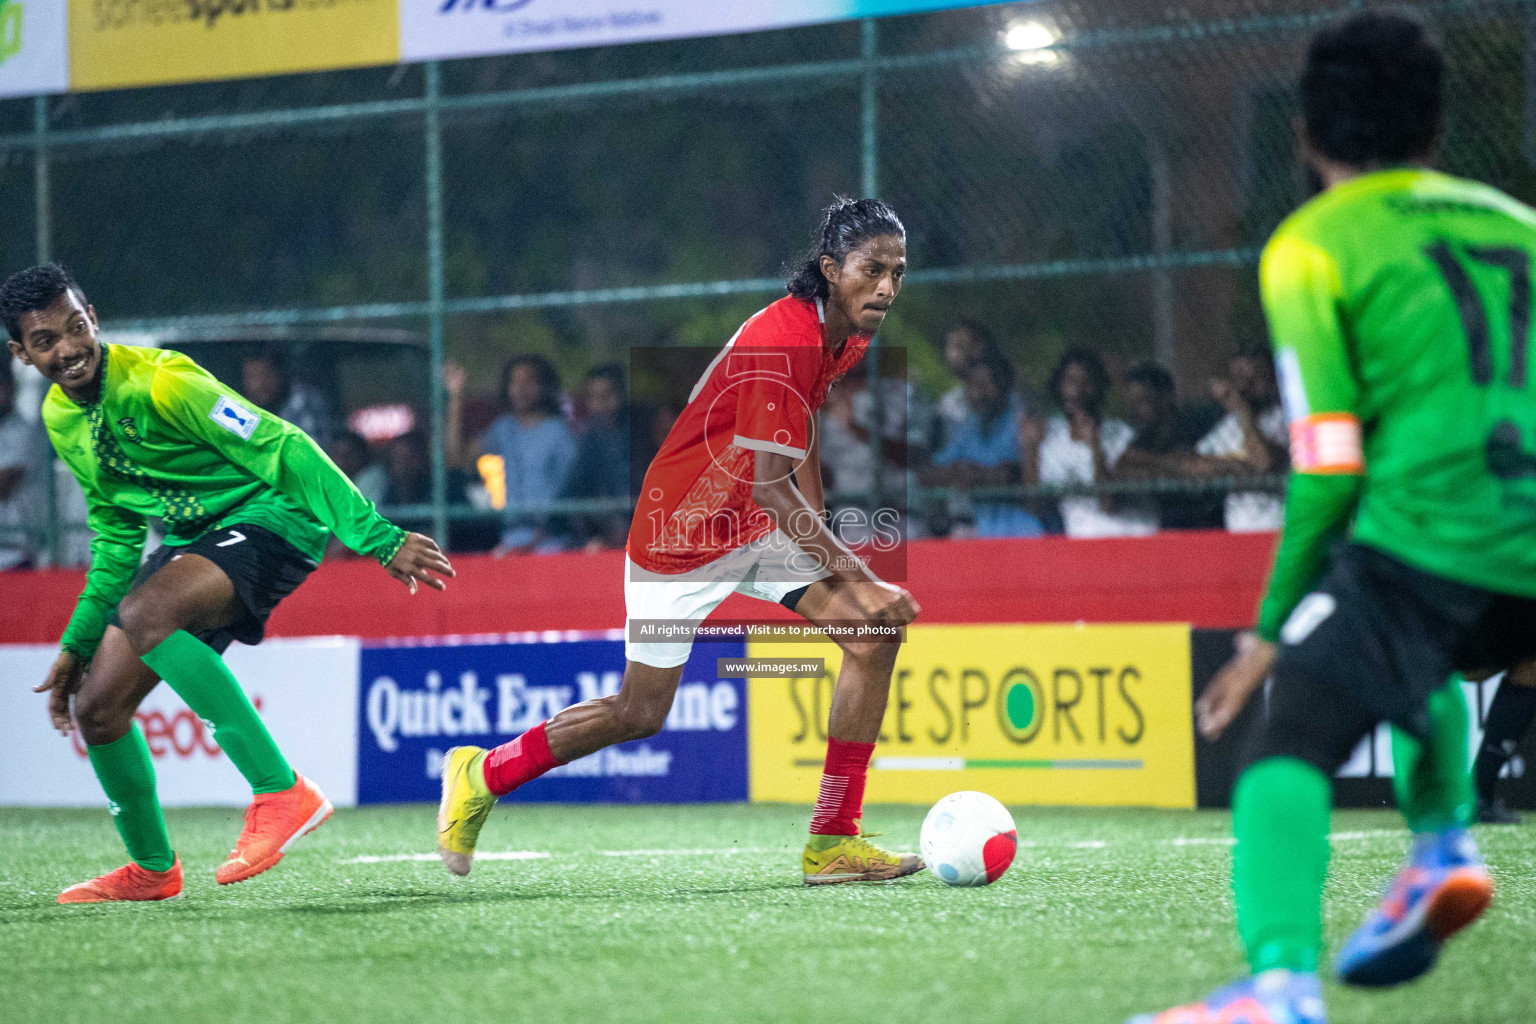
(1249, 511)
(1065, 461)
(23, 446)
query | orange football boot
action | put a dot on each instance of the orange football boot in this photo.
(273, 823)
(129, 883)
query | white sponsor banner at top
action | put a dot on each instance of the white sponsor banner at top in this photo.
(443, 29)
(34, 47)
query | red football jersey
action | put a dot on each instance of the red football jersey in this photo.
(760, 393)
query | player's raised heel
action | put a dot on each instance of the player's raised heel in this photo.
(273, 823)
(465, 804)
(128, 884)
(1443, 889)
(831, 860)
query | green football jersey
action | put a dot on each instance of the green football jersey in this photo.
(167, 439)
(1399, 306)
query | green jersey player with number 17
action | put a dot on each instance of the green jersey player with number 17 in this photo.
(1399, 305)
(248, 502)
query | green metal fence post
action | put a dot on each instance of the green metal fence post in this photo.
(42, 205)
(434, 186)
(869, 185)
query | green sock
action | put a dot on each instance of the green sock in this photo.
(1432, 780)
(202, 679)
(128, 776)
(1280, 816)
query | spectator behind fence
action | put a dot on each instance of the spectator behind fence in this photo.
(1164, 440)
(965, 341)
(354, 457)
(23, 461)
(602, 465)
(1250, 439)
(533, 442)
(265, 379)
(1080, 446)
(983, 450)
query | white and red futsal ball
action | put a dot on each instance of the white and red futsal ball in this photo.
(968, 838)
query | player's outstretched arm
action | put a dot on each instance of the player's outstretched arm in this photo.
(275, 452)
(420, 560)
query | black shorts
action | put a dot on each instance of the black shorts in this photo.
(1370, 644)
(263, 567)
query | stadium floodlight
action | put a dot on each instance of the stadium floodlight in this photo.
(1032, 42)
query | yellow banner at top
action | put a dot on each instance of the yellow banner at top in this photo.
(116, 44)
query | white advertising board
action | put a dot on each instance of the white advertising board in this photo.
(34, 47)
(444, 29)
(306, 691)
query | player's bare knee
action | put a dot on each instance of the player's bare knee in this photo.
(147, 621)
(101, 719)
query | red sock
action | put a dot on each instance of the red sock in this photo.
(841, 802)
(522, 760)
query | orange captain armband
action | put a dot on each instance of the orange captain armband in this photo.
(1327, 442)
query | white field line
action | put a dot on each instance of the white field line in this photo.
(729, 851)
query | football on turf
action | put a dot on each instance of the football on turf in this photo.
(968, 838)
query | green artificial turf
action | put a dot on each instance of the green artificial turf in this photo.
(1105, 913)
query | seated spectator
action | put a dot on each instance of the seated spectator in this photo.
(843, 442)
(408, 466)
(353, 456)
(1165, 438)
(266, 381)
(1080, 446)
(965, 341)
(532, 441)
(24, 459)
(983, 450)
(602, 468)
(1250, 439)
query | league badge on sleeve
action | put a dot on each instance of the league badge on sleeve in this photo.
(235, 418)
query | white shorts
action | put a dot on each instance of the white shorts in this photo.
(767, 569)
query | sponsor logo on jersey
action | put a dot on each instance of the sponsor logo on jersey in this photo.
(235, 418)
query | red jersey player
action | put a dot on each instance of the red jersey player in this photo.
(717, 514)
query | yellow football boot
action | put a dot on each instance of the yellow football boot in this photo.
(829, 860)
(466, 803)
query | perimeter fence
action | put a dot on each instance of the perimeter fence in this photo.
(1072, 174)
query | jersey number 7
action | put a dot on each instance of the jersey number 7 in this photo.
(1506, 456)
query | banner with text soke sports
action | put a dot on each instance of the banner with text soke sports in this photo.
(418, 701)
(1075, 714)
(117, 44)
(34, 47)
(305, 690)
(441, 29)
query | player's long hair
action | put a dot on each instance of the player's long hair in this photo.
(845, 225)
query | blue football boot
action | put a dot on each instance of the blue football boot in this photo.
(1271, 997)
(1442, 889)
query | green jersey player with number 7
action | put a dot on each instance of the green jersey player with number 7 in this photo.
(248, 503)
(1399, 304)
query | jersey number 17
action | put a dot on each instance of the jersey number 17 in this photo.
(1506, 456)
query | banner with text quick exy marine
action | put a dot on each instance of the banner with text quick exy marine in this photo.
(418, 701)
(1076, 715)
